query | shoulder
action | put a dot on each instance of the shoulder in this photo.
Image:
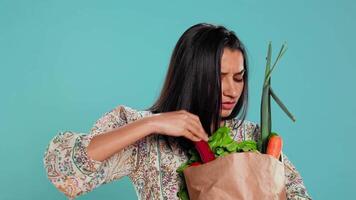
(119, 115)
(247, 129)
(246, 124)
(128, 113)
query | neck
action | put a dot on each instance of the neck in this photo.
(221, 124)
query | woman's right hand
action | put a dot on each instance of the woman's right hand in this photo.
(179, 123)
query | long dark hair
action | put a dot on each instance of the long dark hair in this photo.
(193, 80)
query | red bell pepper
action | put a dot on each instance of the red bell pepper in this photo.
(203, 148)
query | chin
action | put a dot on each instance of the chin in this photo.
(225, 113)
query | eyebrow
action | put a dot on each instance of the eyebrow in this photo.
(238, 73)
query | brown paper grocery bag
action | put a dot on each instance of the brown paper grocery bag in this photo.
(237, 176)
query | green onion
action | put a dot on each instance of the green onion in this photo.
(267, 92)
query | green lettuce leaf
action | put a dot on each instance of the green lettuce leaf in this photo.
(222, 144)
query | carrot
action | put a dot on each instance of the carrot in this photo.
(203, 148)
(274, 147)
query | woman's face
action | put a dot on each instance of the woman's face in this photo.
(232, 82)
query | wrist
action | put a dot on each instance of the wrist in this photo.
(151, 123)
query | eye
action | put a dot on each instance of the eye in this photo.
(239, 80)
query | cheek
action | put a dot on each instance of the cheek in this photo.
(242, 86)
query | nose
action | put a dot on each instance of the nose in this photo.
(230, 89)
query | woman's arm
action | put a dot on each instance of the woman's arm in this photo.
(296, 189)
(103, 146)
(74, 173)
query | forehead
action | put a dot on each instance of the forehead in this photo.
(232, 61)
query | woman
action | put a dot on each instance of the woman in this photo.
(206, 87)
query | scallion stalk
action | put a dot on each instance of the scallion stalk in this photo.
(267, 93)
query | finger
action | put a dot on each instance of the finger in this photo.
(191, 136)
(198, 124)
(195, 129)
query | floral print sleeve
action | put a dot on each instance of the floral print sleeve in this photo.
(296, 189)
(70, 169)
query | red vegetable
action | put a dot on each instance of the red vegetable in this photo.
(203, 148)
(274, 147)
(195, 164)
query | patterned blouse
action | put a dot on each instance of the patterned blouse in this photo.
(150, 163)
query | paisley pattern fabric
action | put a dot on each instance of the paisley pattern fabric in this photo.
(150, 163)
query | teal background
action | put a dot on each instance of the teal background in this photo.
(65, 63)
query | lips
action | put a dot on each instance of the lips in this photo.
(229, 102)
(228, 105)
